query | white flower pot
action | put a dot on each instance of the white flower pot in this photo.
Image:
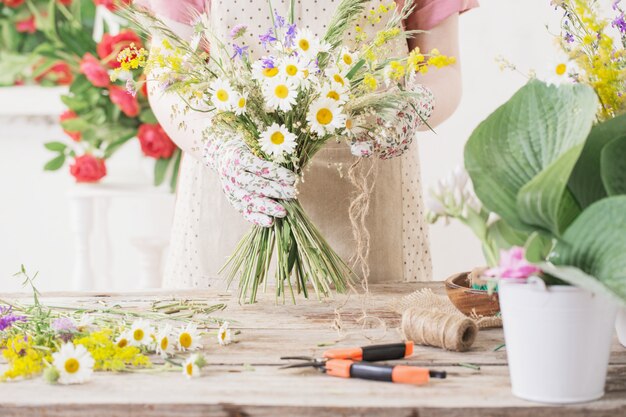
(558, 341)
(620, 326)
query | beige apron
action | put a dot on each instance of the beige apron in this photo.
(206, 228)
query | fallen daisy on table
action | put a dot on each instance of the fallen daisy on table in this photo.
(192, 367)
(141, 332)
(164, 344)
(74, 364)
(189, 337)
(224, 335)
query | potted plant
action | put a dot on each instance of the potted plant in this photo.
(542, 166)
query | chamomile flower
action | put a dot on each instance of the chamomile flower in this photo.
(335, 92)
(292, 69)
(280, 94)
(74, 363)
(124, 339)
(164, 342)
(336, 76)
(190, 368)
(224, 336)
(306, 44)
(559, 71)
(347, 59)
(277, 140)
(222, 95)
(189, 337)
(141, 333)
(241, 101)
(264, 70)
(325, 116)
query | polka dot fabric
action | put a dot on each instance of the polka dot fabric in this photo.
(206, 229)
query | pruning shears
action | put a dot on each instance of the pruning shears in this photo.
(355, 363)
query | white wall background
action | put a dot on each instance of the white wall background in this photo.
(34, 210)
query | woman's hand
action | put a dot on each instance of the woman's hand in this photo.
(391, 138)
(250, 183)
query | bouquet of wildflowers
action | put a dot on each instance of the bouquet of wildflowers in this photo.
(286, 106)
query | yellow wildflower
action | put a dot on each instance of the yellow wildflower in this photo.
(370, 82)
(108, 355)
(132, 58)
(24, 359)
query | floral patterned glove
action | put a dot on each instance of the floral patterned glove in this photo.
(391, 138)
(250, 183)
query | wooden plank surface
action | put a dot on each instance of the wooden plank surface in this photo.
(243, 379)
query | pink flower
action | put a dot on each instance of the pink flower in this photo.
(13, 3)
(513, 264)
(154, 141)
(94, 71)
(126, 102)
(112, 4)
(88, 168)
(111, 45)
(69, 115)
(26, 25)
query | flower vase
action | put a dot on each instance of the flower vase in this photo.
(558, 340)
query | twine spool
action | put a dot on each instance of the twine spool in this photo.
(435, 328)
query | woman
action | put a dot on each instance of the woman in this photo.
(206, 225)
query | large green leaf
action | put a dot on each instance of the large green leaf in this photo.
(596, 244)
(613, 166)
(586, 181)
(526, 138)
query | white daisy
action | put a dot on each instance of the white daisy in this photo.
(164, 345)
(124, 339)
(347, 59)
(224, 336)
(280, 94)
(141, 333)
(291, 68)
(325, 116)
(191, 368)
(241, 101)
(74, 363)
(335, 91)
(189, 337)
(261, 73)
(336, 76)
(277, 139)
(306, 44)
(222, 95)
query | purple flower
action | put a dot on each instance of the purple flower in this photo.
(569, 38)
(290, 35)
(238, 31)
(64, 325)
(267, 38)
(513, 264)
(279, 21)
(239, 51)
(619, 23)
(616, 4)
(268, 62)
(7, 318)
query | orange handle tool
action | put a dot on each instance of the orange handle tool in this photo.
(400, 374)
(372, 353)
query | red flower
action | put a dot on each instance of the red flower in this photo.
(112, 4)
(59, 73)
(110, 46)
(69, 115)
(88, 168)
(65, 2)
(94, 71)
(124, 100)
(27, 25)
(13, 3)
(154, 141)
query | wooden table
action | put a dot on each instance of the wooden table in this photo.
(243, 379)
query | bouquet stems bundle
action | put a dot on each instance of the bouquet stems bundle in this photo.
(285, 106)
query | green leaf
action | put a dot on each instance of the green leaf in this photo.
(160, 169)
(55, 163)
(55, 146)
(77, 124)
(586, 181)
(538, 247)
(147, 116)
(613, 166)
(504, 236)
(596, 244)
(523, 139)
